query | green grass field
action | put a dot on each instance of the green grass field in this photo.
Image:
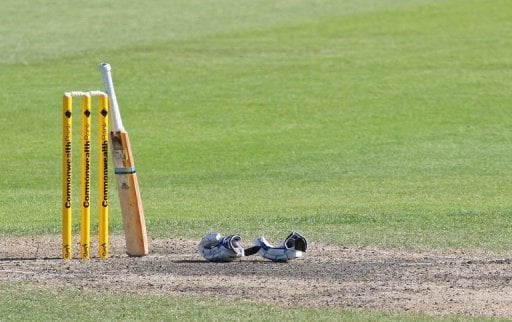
(358, 122)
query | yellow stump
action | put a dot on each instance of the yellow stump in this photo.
(85, 182)
(103, 177)
(85, 219)
(67, 131)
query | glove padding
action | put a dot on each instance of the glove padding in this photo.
(291, 248)
(215, 248)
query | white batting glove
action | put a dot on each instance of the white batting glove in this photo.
(215, 248)
(291, 248)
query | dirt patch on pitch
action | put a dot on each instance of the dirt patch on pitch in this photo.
(398, 280)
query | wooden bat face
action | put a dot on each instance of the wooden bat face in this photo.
(129, 195)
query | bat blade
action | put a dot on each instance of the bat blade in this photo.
(129, 195)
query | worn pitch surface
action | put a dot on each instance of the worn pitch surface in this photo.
(439, 282)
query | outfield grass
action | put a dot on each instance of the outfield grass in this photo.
(384, 123)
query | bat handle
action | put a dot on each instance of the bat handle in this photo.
(117, 123)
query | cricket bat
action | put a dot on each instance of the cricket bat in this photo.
(126, 178)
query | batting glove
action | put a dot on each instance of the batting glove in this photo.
(215, 248)
(291, 248)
